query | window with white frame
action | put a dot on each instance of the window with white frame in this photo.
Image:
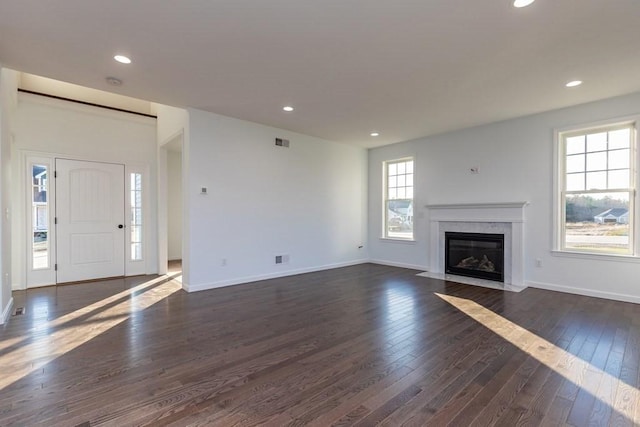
(40, 238)
(136, 222)
(398, 199)
(596, 168)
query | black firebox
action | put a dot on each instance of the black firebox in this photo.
(479, 255)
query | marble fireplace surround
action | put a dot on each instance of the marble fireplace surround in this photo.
(496, 218)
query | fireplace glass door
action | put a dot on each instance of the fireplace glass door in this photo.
(479, 255)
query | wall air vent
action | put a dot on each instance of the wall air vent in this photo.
(282, 142)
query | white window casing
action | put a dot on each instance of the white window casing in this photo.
(595, 183)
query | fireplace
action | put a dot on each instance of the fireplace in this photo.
(507, 218)
(479, 255)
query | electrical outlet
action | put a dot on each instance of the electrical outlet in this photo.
(281, 142)
(282, 259)
(223, 262)
(538, 263)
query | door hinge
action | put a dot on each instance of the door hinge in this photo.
(55, 267)
(55, 220)
(55, 174)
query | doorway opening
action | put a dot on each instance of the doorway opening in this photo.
(173, 151)
(89, 220)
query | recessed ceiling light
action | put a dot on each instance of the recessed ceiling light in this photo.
(288, 108)
(122, 59)
(375, 134)
(522, 3)
(114, 81)
(574, 83)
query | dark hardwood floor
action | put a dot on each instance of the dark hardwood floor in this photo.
(361, 345)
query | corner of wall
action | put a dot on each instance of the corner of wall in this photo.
(8, 103)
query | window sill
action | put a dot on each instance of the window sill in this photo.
(395, 240)
(596, 256)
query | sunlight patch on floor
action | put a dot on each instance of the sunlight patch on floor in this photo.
(617, 394)
(6, 343)
(70, 331)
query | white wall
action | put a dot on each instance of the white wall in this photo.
(81, 93)
(306, 201)
(8, 102)
(174, 204)
(49, 126)
(515, 159)
(172, 122)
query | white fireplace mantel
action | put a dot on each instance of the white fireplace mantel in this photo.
(504, 217)
(478, 212)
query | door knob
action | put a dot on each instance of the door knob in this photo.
(120, 226)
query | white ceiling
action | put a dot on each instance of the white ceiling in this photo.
(404, 68)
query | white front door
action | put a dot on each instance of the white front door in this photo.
(90, 223)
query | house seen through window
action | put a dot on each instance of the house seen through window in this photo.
(598, 190)
(40, 217)
(398, 199)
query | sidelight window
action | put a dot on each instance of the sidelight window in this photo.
(40, 237)
(136, 222)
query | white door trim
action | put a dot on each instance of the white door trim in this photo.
(44, 276)
(22, 218)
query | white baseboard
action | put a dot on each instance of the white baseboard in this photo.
(249, 279)
(585, 292)
(539, 285)
(6, 313)
(399, 264)
(18, 286)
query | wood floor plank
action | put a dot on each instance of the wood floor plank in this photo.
(425, 369)
(361, 345)
(627, 386)
(530, 404)
(607, 408)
